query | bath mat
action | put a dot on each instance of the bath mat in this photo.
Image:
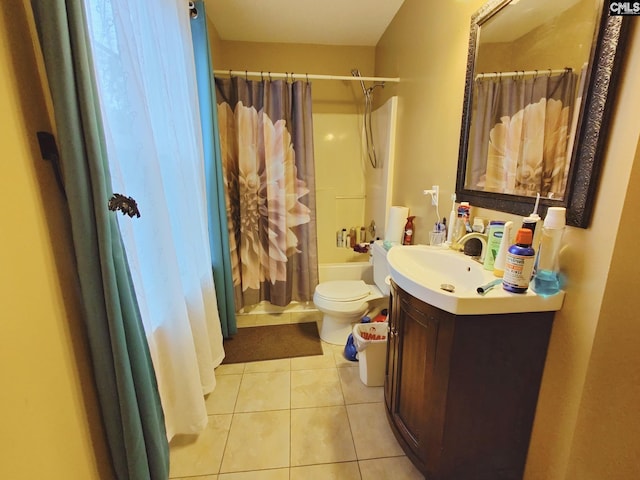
(271, 342)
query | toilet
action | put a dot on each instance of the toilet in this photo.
(344, 302)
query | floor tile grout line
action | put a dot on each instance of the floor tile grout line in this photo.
(235, 404)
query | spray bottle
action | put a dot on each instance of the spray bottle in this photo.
(408, 231)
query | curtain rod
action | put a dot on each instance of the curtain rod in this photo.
(523, 72)
(303, 76)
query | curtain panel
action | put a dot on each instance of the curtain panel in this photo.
(127, 390)
(216, 202)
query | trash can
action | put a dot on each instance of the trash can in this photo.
(371, 342)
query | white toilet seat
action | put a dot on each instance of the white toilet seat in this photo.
(345, 296)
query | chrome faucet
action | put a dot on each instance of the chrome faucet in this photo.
(459, 245)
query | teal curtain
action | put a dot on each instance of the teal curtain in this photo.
(216, 204)
(127, 390)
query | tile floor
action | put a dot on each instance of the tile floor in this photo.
(293, 419)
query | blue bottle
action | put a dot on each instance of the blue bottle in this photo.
(518, 265)
(546, 281)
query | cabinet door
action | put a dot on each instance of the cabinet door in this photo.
(417, 333)
(391, 366)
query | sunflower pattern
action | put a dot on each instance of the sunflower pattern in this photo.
(528, 151)
(520, 139)
(263, 191)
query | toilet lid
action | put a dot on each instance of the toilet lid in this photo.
(343, 290)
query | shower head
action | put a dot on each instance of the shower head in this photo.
(356, 73)
(370, 89)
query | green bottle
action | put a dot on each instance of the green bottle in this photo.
(494, 237)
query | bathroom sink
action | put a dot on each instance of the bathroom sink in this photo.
(449, 280)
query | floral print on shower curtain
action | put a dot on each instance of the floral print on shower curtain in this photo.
(519, 142)
(266, 142)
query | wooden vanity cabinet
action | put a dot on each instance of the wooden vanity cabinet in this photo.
(461, 390)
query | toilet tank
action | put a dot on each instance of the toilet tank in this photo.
(380, 266)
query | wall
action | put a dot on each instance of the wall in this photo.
(426, 45)
(328, 96)
(605, 443)
(545, 46)
(48, 408)
(608, 426)
(340, 199)
(337, 118)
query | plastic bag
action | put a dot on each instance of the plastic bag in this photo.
(364, 334)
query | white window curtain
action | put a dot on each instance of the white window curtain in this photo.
(145, 73)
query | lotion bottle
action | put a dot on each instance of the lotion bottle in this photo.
(494, 237)
(505, 241)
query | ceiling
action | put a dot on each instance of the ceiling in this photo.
(324, 22)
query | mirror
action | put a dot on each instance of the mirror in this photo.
(538, 91)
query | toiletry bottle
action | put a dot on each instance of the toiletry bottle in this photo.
(451, 226)
(344, 237)
(466, 218)
(494, 237)
(519, 263)
(462, 221)
(408, 231)
(339, 238)
(546, 280)
(478, 225)
(505, 241)
(535, 225)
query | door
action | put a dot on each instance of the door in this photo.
(413, 373)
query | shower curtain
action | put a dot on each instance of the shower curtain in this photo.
(266, 140)
(519, 137)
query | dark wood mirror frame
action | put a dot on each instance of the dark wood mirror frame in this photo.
(591, 129)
